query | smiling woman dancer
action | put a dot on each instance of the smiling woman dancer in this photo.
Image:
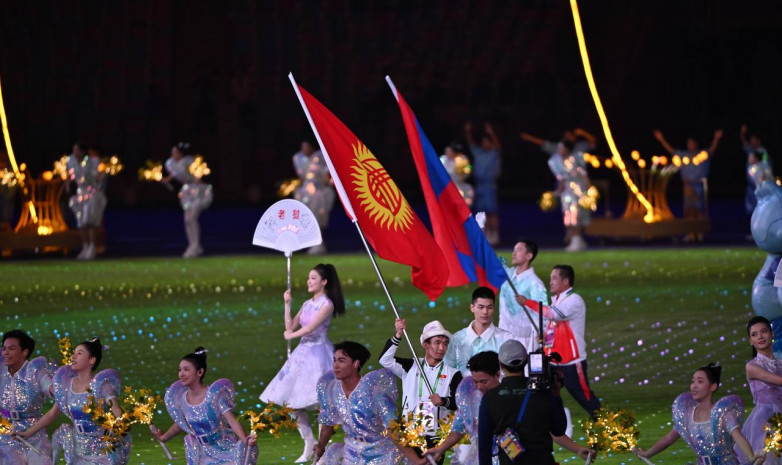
(82, 443)
(205, 413)
(709, 428)
(296, 383)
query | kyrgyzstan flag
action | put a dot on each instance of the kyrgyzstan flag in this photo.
(468, 254)
(372, 199)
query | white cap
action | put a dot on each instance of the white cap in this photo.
(434, 328)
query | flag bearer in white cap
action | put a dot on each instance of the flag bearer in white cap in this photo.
(442, 378)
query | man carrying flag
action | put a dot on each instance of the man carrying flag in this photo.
(467, 253)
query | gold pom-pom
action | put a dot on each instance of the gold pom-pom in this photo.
(773, 430)
(199, 168)
(66, 349)
(288, 187)
(272, 418)
(611, 431)
(548, 201)
(151, 171)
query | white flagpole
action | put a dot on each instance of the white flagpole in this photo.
(352, 215)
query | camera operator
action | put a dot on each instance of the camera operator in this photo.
(522, 420)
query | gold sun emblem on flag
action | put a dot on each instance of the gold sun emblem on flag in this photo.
(378, 193)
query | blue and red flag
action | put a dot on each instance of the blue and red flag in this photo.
(467, 253)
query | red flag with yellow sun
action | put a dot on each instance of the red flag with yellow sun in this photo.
(372, 199)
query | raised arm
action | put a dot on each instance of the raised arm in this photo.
(495, 141)
(715, 141)
(531, 139)
(743, 135)
(468, 134)
(323, 313)
(659, 136)
(586, 135)
(660, 445)
(290, 323)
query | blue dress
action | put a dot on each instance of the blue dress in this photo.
(710, 439)
(209, 439)
(364, 417)
(82, 442)
(22, 397)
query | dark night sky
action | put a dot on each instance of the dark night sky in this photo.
(132, 77)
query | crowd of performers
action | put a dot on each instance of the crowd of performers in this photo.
(567, 161)
(476, 378)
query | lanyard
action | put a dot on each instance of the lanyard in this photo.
(523, 407)
(436, 382)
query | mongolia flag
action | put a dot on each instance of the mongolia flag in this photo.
(467, 252)
(373, 200)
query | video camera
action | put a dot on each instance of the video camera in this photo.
(541, 376)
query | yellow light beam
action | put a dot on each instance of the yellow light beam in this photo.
(617, 158)
(7, 137)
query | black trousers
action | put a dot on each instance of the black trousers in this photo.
(577, 384)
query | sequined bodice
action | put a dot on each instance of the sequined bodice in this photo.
(311, 169)
(84, 172)
(22, 395)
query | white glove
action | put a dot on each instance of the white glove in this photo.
(480, 218)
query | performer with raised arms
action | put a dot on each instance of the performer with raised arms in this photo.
(205, 414)
(295, 384)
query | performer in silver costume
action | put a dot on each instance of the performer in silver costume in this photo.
(82, 441)
(89, 202)
(195, 195)
(457, 164)
(24, 388)
(315, 190)
(205, 414)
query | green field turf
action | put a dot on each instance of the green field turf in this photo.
(654, 316)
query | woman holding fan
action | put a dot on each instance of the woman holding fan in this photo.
(205, 414)
(82, 442)
(709, 428)
(296, 383)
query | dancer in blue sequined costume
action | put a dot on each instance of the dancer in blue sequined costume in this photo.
(82, 441)
(195, 195)
(363, 407)
(24, 388)
(709, 428)
(205, 414)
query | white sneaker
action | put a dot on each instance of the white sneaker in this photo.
(577, 243)
(308, 453)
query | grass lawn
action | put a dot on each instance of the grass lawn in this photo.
(654, 316)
